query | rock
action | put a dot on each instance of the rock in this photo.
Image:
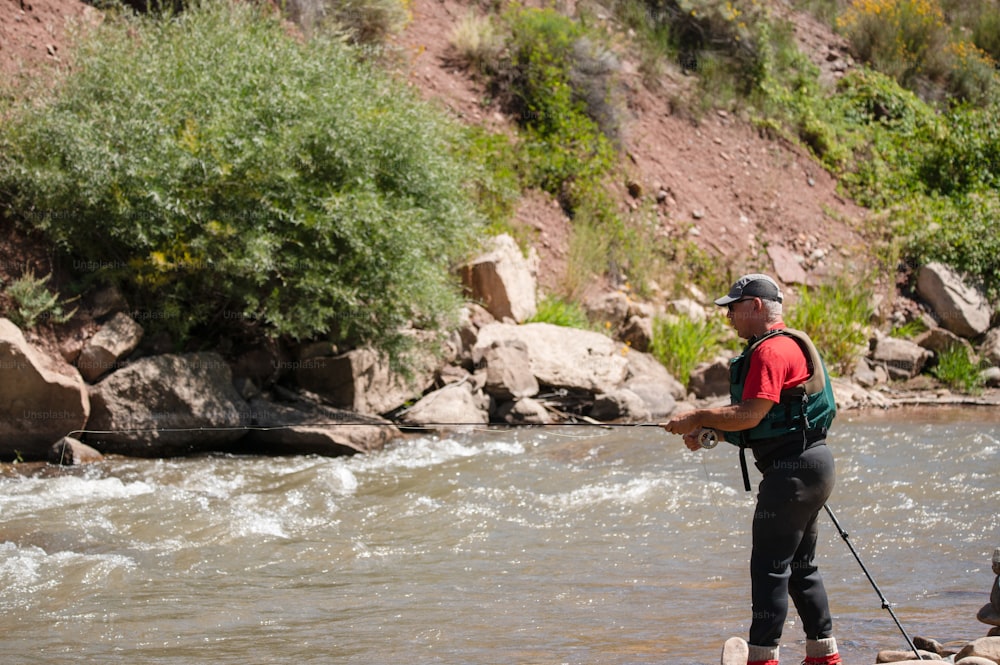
(995, 591)
(849, 395)
(303, 427)
(865, 376)
(938, 340)
(975, 660)
(116, 339)
(563, 357)
(899, 656)
(622, 404)
(933, 646)
(990, 346)
(472, 317)
(710, 379)
(988, 614)
(787, 266)
(167, 405)
(71, 452)
(689, 308)
(361, 381)
(994, 632)
(107, 300)
(735, 652)
(503, 280)
(991, 377)
(41, 400)
(454, 404)
(651, 381)
(638, 333)
(526, 411)
(960, 308)
(984, 647)
(610, 310)
(901, 358)
(508, 370)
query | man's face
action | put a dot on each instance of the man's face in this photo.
(741, 314)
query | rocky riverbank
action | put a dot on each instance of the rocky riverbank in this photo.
(104, 393)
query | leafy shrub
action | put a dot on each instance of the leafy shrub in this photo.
(680, 343)
(228, 171)
(902, 38)
(558, 72)
(967, 155)
(909, 329)
(836, 317)
(366, 21)
(476, 42)
(973, 73)
(34, 302)
(491, 173)
(561, 312)
(959, 231)
(956, 369)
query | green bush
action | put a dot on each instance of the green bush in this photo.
(561, 312)
(680, 343)
(223, 170)
(905, 39)
(836, 317)
(34, 302)
(957, 370)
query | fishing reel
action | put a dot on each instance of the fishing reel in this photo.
(708, 438)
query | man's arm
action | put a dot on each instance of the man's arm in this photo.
(732, 418)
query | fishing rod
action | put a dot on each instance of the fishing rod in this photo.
(885, 603)
(707, 438)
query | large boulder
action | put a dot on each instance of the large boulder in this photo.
(901, 359)
(40, 403)
(960, 308)
(622, 404)
(609, 309)
(166, 406)
(710, 379)
(454, 404)
(653, 383)
(362, 381)
(508, 370)
(302, 427)
(72, 452)
(990, 347)
(560, 357)
(984, 647)
(116, 339)
(503, 280)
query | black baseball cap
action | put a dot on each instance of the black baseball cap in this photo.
(756, 285)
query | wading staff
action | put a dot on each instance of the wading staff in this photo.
(885, 603)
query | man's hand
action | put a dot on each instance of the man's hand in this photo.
(684, 424)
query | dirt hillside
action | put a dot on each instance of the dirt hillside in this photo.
(748, 199)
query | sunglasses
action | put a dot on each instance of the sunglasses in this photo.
(735, 302)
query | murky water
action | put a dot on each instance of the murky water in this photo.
(559, 545)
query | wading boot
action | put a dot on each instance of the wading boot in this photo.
(762, 655)
(822, 652)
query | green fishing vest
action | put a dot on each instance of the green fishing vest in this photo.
(801, 417)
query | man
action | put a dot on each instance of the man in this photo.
(781, 406)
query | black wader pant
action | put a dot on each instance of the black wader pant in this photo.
(791, 494)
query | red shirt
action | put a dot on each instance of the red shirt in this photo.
(777, 364)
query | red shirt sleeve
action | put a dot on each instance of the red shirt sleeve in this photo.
(777, 364)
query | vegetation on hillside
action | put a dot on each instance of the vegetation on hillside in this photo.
(232, 177)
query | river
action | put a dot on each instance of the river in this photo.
(507, 546)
